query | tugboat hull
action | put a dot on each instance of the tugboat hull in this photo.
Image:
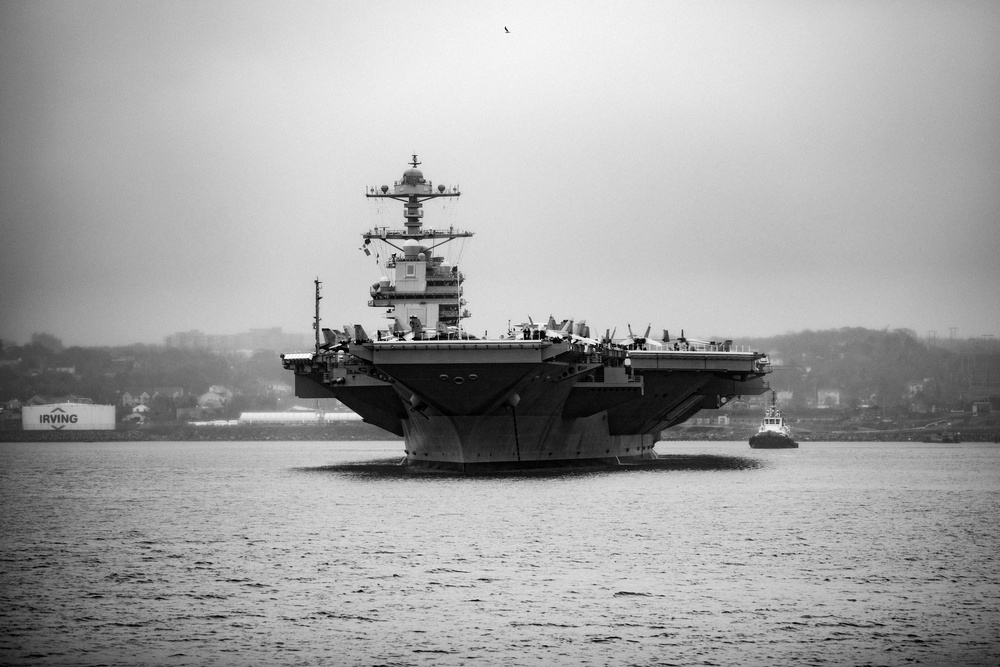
(771, 440)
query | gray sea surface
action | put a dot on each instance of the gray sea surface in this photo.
(328, 553)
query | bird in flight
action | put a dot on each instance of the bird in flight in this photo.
(505, 29)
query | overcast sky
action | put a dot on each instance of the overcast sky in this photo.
(729, 168)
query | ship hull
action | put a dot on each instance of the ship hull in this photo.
(509, 441)
(495, 405)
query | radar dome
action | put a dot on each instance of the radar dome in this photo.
(413, 176)
(411, 249)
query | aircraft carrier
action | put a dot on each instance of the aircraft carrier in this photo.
(543, 394)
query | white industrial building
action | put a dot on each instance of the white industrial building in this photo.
(295, 418)
(68, 417)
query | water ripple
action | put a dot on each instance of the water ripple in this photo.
(321, 553)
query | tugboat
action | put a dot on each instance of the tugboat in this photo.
(773, 433)
(541, 395)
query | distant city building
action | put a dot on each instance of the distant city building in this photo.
(315, 404)
(53, 400)
(278, 388)
(139, 414)
(169, 392)
(211, 400)
(225, 393)
(828, 398)
(739, 404)
(187, 340)
(133, 397)
(254, 339)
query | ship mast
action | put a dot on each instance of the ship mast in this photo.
(316, 318)
(424, 293)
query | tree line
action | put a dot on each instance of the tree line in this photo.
(46, 368)
(867, 366)
(879, 367)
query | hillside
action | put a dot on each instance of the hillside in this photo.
(889, 374)
(891, 370)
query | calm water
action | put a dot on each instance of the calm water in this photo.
(276, 553)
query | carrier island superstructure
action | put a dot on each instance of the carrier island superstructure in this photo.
(542, 395)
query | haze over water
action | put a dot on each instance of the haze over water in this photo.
(303, 553)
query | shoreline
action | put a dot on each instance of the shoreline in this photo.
(359, 431)
(184, 433)
(696, 433)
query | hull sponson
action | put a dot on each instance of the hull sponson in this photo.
(376, 402)
(666, 397)
(671, 398)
